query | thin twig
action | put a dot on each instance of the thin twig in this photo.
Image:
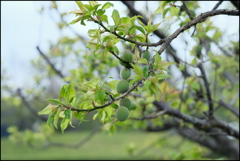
(217, 5)
(206, 84)
(48, 61)
(30, 107)
(150, 116)
(229, 107)
(198, 19)
(111, 101)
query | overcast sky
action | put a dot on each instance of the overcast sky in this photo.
(22, 29)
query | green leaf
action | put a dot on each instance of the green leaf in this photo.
(147, 83)
(101, 96)
(55, 101)
(75, 20)
(164, 64)
(140, 22)
(81, 6)
(162, 76)
(194, 61)
(142, 60)
(109, 112)
(64, 124)
(112, 84)
(95, 116)
(174, 11)
(70, 93)
(165, 12)
(136, 78)
(137, 69)
(115, 50)
(116, 17)
(158, 10)
(104, 18)
(126, 20)
(115, 106)
(62, 92)
(140, 37)
(77, 12)
(47, 110)
(157, 58)
(80, 116)
(86, 105)
(150, 20)
(107, 5)
(141, 29)
(92, 83)
(50, 119)
(103, 116)
(67, 113)
(93, 3)
(100, 12)
(56, 118)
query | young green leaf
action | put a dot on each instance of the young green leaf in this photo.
(62, 92)
(55, 101)
(64, 124)
(81, 6)
(67, 113)
(70, 93)
(116, 17)
(137, 69)
(47, 110)
(56, 118)
(50, 119)
(107, 5)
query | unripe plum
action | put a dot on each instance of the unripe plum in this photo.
(122, 86)
(127, 56)
(126, 102)
(146, 55)
(122, 113)
(125, 73)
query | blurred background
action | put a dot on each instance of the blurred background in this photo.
(28, 24)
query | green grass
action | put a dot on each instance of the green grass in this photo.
(104, 147)
(101, 146)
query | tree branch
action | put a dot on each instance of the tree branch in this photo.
(206, 84)
(235, 4)
(153, 116)
(144, 20)
(48, 61)
(230, 148)
(30, 107)
(229, 107)
(199, 123)
(110, 102)
(198, 19)
(217, 5)
(129, 40)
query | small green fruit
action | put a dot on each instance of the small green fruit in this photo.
(145, 71)
(198, 50)
(146, 55)
(122, 113)
(126, 103)
(125, 73)
(122, 86)
(127, 56)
